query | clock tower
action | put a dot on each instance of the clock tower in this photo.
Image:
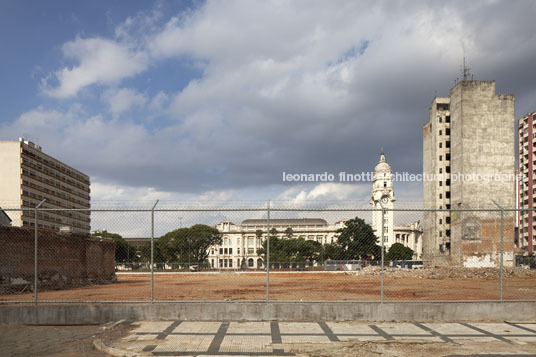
(382, 191)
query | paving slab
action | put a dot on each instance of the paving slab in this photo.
(219, 338)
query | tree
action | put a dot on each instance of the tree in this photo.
(289, 232)
(399, 252)
(123, 251)
(358, 241)
(291, 250)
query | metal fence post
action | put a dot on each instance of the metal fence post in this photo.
(35, 249)
(382, 235)
(152, 252)
(502, 252)
(268, 253)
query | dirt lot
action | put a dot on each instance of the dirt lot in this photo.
(299, 286)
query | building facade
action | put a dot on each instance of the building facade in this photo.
(526, 190)
(241, 242)
(383, 196)
(29, 175)
(470, 134)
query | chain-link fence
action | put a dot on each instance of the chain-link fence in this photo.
(266, 253)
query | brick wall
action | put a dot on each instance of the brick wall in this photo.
(63, 259)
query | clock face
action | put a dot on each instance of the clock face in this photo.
(385, 200)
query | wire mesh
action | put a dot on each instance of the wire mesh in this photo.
(282, 253)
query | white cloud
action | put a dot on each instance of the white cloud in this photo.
(121, 100)
(98, 61)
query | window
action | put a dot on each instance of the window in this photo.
(447, 194)
(447, 131)
(447, 119)
(221, 250)
(250, 263)
(230, 263)
(384, 184)
(440, 221)
(441, 234)
(447, 182)
(447, 219)
(440, 132)
(447, 156)
(448, 206)
(440, 119)
(440, 145)
(440, 157)
(440, 183)
(440, 170)
(447, 144)
(440, 196)
(230, 250)
(447, 169)
(225, 251)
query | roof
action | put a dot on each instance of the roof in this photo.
(286, 222)
(2, 212)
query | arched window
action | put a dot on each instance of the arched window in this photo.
(250, 262)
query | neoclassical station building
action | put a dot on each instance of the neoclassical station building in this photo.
(241, 242)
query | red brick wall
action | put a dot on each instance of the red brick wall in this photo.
(75, 257)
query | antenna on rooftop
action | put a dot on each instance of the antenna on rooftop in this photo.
(466, 71)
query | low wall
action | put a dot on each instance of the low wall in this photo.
(63, 259)
(423, 312)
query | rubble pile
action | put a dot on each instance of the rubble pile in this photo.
(447, 272)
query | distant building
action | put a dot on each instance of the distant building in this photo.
(29, 175)
(470, 133)
(383, 195)
(240, 244)
(527, 192)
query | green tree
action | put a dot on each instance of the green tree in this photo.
(358, 241)
(291, 250)
(199, 239)
(332, 251)
(289, 233)
(123, 251)
(399, 252)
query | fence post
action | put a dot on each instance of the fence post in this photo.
(502, 252)
(382, 238)
(152, 251)
(268, 252)
(35, 249)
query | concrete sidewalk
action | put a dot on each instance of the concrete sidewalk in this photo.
(192, 338)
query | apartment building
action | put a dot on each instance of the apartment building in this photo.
(527, 192)
(29, 175)
(468, 135)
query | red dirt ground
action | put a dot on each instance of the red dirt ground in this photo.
(289, 286)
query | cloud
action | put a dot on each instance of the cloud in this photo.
(300, 87)
(97, 61)
(121, 100)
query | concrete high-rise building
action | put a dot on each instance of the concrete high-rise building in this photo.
(527, 192)
(468, 161)
(28, 176)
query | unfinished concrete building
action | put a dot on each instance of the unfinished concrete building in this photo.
(527, 161)
(468, 161)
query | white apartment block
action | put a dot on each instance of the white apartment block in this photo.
(29, 175)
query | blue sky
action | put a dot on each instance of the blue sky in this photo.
(213, 100)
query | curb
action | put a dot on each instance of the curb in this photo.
(117, 352)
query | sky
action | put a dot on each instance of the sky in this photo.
(212, 101)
